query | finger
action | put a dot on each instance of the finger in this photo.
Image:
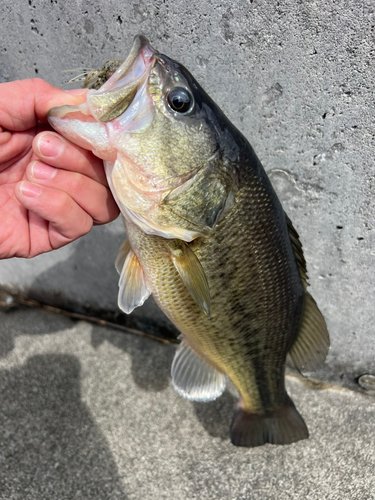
(39, 239)
(25, 102)
(67, 220)
(17, 146)
(91, 196)
(47, 96)
(53, 149)
(5, 136)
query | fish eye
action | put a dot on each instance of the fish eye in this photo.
(180, 100)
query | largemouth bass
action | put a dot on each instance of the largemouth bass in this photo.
(207, 236)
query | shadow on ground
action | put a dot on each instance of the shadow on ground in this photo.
(26, 321)
(50, 447)
(216, 416)
(88, 283)
(150, 361)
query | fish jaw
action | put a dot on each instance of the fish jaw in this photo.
(80, 127)
(120, 105)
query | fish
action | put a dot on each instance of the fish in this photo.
(206, 236)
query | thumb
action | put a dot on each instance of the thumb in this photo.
(47, 96)
(25, 102)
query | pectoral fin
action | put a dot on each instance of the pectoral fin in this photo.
(192, 273)
(121, 256)
(133, 287)
(193, 378)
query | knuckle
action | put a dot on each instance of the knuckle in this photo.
(60, 202)
(77, 182)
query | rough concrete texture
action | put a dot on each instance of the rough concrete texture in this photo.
(295, 77)
(89, 413)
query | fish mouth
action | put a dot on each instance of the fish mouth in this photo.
(117, 94)
(121, 104)
(142, 57)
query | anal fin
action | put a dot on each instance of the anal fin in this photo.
(311, 346)
(195, 379)
(132, 283)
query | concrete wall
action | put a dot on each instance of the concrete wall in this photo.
(296, 77)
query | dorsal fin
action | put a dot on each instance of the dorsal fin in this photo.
(193, 378)
(310, 348)
(311, 345)
(298, 252)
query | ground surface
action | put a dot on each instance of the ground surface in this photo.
(89, 413)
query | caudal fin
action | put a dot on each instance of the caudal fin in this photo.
(283, 426)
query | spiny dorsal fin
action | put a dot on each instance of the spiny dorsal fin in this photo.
(193, 378)
(191, 273)
(298, 251)
(310, 348)
(132, 283)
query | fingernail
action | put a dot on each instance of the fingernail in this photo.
(50, 145)
(31, 190)
(76, 91)
(42, 171)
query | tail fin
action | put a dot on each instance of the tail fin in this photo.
(283, 426)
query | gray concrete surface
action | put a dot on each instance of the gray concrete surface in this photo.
(90, 413)
(296, 77)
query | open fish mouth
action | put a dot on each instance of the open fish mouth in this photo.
(116, 95)
(122, 103)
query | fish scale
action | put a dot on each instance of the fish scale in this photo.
(246, 322)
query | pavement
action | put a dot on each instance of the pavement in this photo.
(88, 412)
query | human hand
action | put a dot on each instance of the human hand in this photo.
(51, 191)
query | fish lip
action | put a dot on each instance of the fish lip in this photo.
(117, 94)
(141, 49)
(147, 51)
